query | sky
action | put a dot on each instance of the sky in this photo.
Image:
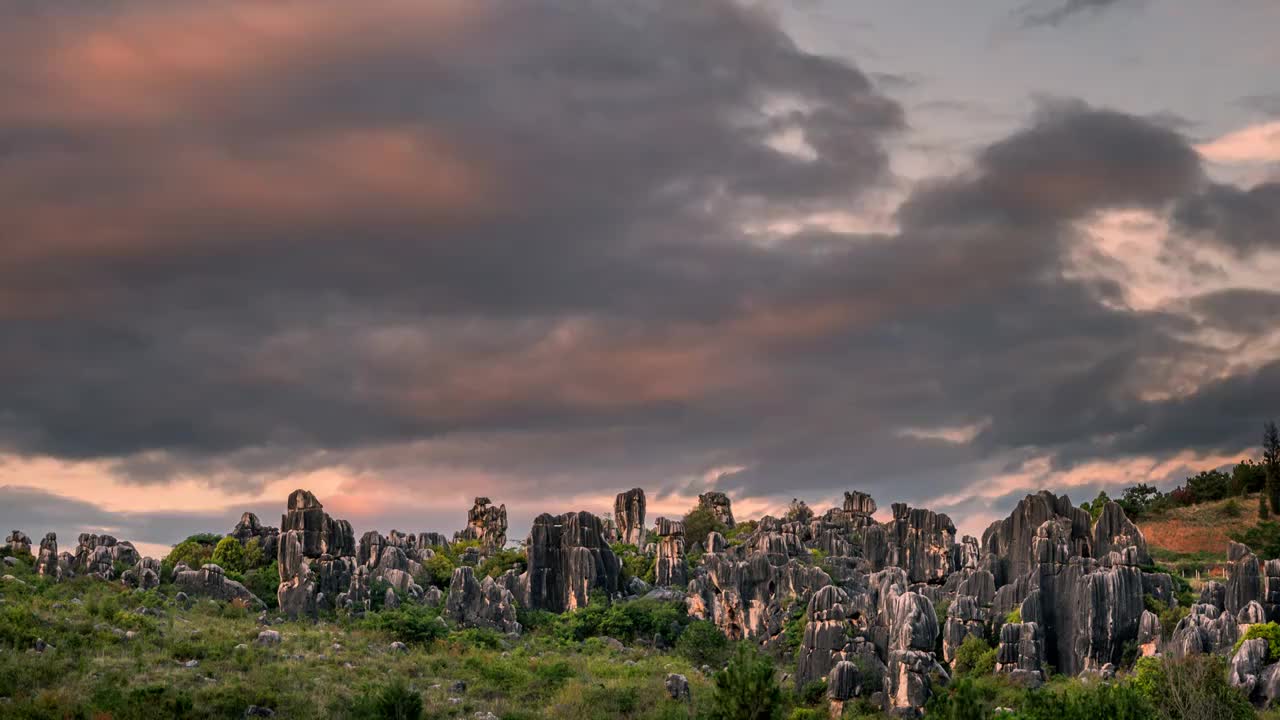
(405, 253)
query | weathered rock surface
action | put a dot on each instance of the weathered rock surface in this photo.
(47, 561)
(17, 544)
(482, 604)
(211, 581)
(487, 523)
(747, 598)
(1115, 532)
(921, 542)
(717, 503)
(669, 564)
(1009, 542)
(568, 557)
(250, 528)
(628, 514)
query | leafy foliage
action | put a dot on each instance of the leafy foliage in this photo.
(1209, 485)
(502, 561)
(747, 689)
(229, 555)
(409, 624)
(703, 643)
(974, 657)
(264, 582)
(195, 554)
(1263, 538)
(1267, 631)
(1192, 688)
(393, 702)
(700, 522)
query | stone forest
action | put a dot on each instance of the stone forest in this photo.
(850, 616)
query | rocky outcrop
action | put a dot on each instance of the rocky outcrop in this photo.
(47, 561)
(1245, 584)
(748, 598)
(250, 528)
(1021, 649)
(1114, 532)
(568, 557)
(964, 618)
(98, 555)
(17, 544)
(717, 503)
(211, 581)
(921, 542)
(316, 558)
(487, 523)
(628, 514)
(1009, 543)
(1205, 629)
(669, 564)
(483, 604)
(1149, 634)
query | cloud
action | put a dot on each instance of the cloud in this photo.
(1255, 144)
(1244, 221)
(1064, 10)
(409, 256)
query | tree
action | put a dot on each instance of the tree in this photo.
(1271, 463)
(699, 523)
(1139, 499)
(229, 555)
(1209, 485)
(747, 689)
(1263, 513)
(1095, 508)
(1248, 477)
(798, 511)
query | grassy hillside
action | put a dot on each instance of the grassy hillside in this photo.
(1197, 535)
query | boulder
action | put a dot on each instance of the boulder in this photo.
(1247, 663)
(211, 581)
(677, 687)
(1245, 582)
(628, 514)
(716, 542)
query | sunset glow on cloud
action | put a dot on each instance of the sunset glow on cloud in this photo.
(406, 253)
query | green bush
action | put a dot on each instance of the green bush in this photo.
(480, 638)
(974, 657)
(1189, 689)
(254, 557)
(393, 702)
(502, 561)
(813, 693)
(1014, 617)
(1263, 538)
(699, 523)
(703, 644)
(264, 582)
(793, 628)
(662, 621)
(1267, 631)
(409, 624)
(961, 700)
(439, 570)
(194, 554)
(229, 555)
(1087, 701)
(747, 689)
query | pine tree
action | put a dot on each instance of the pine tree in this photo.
(1271, 463)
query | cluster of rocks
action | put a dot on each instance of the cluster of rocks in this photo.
(882, 605)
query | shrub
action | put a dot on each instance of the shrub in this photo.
(747, 689)
(1079, 701)
(959, 701)
(813, 692)
(1209, 485)
(1248, 477)
(393, 702)
(439, 570)
(229, 555)
(703, 644)
(1267, 631)
(1014, 616)
(409, 624)
(1263, 538)
(1231, 509)
(500, 562)
(253, 555)
(1189, 689)
(192, 553)
(264, 582)
(974, 657)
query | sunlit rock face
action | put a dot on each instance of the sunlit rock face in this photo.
(669, 563)
(628, 516)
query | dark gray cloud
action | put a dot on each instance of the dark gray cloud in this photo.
(1060, 11)
(1243, 221)
(526, 244)
(1267, 104)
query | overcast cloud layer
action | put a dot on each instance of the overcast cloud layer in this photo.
(403, 253)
